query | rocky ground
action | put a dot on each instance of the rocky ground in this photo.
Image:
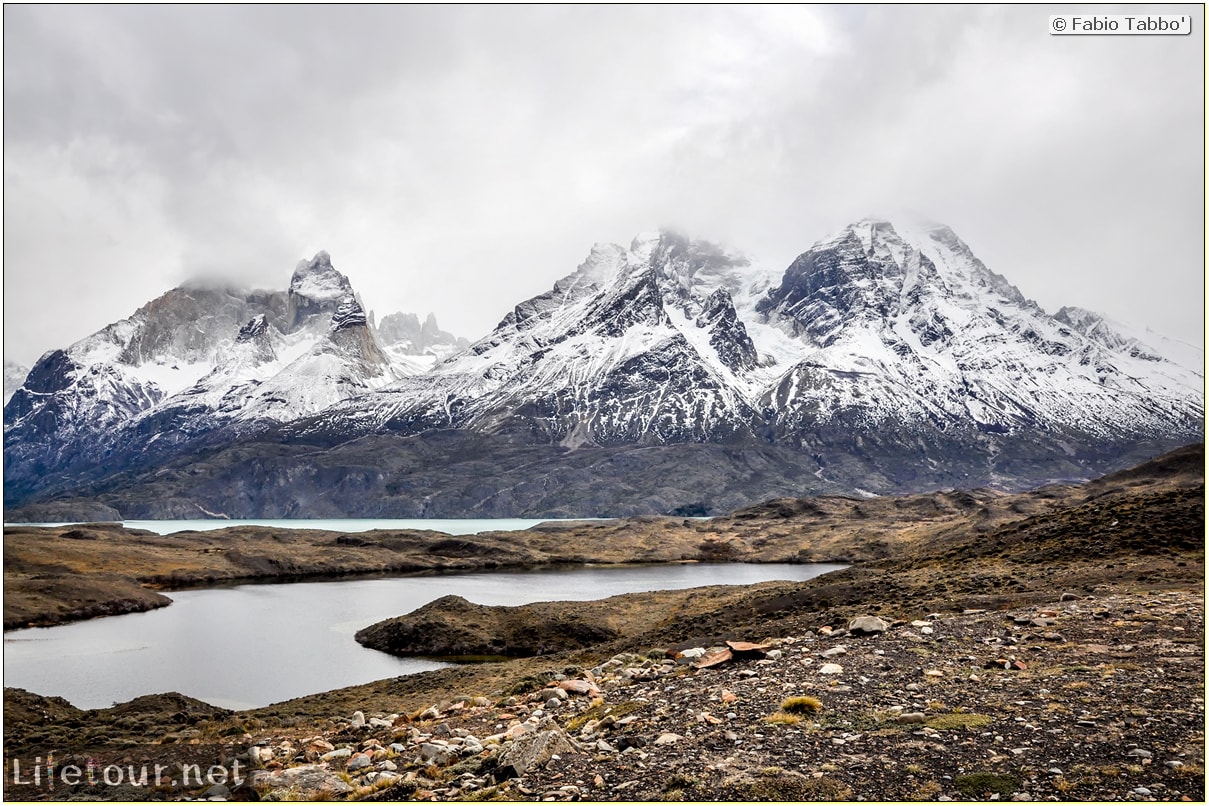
(1093, 696)
(1054, 655)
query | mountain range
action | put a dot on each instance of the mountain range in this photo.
(670, 376)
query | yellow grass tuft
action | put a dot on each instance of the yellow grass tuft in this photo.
(802, 705)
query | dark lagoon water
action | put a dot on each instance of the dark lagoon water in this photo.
(252, 645)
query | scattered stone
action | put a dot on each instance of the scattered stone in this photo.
(867, 625)
(358, 720)
(438, 754)
(831, 668)
(305, 782)
(1010, 664)
(529, 751)
(632, 740)
(585, 687)
(834, 651)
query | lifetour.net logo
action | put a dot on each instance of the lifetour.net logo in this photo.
(57, 771)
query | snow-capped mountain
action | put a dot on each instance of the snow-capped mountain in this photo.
(909, 327)
(196, 361)
(676, 340)
(668, 375)
(640, 345)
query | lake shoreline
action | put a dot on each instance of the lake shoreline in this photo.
(1068, 622)
(60, 574)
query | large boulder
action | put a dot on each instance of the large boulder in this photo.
(307, 782)
(529, 751)
(867, 625)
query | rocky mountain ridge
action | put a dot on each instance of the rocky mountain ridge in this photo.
(885, 358)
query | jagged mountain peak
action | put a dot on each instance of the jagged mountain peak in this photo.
(882, 270)
(316, 289)
(317, 279)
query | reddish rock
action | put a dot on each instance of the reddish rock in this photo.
(714, 658)
(745, 646)
(579, 687)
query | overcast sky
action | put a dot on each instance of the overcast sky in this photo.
(459, 160)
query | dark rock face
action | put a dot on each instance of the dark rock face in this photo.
(455, 473)
(728, 336)
(824, 288)
(635, 301)
(256, 326)
(349, 313)
(52, 373)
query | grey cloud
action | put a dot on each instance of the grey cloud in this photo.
(456, 159)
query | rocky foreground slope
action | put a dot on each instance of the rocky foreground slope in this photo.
(1051, 656)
